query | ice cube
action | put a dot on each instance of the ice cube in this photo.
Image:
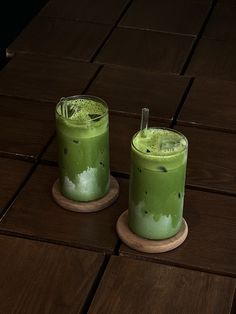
(69, 110)
(94, 116)
(169, 143)
(162, 169)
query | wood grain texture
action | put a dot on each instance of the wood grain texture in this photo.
(145, 245)
(44, 278)
(211, 242)
(86, 207)
(183, 17)
(12, 174)
(36, 215)
(211, 104)
(60, 38)
(26, 126)
(148, 50)
(127, 91)
(122, 128)
(102, 11)
(131, 286)
(211, 161)
(44, 78)
(222, 23)
(214, 59)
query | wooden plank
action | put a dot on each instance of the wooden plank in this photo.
(12, 174)
(211, 104)
(36, 215)
(211, 161)
(211, 241)
(148, 50)
(38, 277)
(127, 91)
(222, 23)
(60, 38)
(131, 286)
(214, 59)
(26, 126)
(182, 17)
(44, 78)
(102, 11)
(122, 129)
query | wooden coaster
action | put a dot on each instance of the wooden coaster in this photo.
(145, 245)
(86, 207)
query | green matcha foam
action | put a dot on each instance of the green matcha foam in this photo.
(82, 116)
(159, 148)
(159, 142)
(81, 109)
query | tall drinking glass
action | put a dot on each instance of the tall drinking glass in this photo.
(157, 182)
(83, 143)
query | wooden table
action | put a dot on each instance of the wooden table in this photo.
(178, 60)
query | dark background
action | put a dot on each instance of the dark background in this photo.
(14, 16)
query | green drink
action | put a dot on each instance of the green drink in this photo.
(83, 142)
(157, 180)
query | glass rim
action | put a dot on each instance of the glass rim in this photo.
(156, 156)
(89, 97)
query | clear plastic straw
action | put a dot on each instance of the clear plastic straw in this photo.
(144, 120)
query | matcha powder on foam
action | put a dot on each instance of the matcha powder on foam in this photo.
(81, 110)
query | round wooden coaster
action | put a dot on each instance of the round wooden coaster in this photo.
(145, 245)
(86, 207)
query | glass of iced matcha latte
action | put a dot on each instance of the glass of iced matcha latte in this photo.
(157, 182)
(83, 143)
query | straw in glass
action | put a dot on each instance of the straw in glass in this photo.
(144, 120)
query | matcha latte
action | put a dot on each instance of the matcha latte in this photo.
(83, 142)
(157, 180)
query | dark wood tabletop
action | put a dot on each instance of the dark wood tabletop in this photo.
(177, 59)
